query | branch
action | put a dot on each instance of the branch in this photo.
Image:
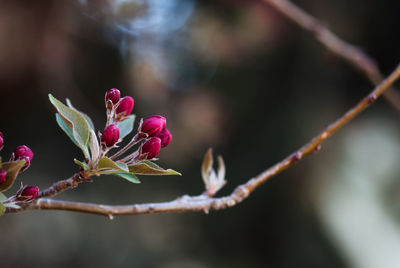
(336, 45)
(63, 185)
(203, 202)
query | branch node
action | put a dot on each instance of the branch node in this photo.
(324, 135)
(296, 157)
(316, 149)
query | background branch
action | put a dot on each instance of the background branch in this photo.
(336, 45)
(203, 202)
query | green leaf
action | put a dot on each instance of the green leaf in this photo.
(76, 121)
(106, 164)
(65, 127)
(126, 126)
(13, 168)
(150, 168)
(93, 142)
(81, 164)
(2, 209)
(88, 119)
(3, 197)
(129, 177)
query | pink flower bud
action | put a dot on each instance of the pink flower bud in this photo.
(112, 95)
(151, 147)
(23, 152)
(153, 125)
(110, 135)
(125, 106)
(28, 193)
(3, 175)
(1, 140)
(165, 137)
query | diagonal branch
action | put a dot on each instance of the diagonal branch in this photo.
(63, 185)
(336, 45)
(203, 202)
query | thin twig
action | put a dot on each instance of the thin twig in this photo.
(336, 45)
(203, 202)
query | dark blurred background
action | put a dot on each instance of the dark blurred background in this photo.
(232, 75)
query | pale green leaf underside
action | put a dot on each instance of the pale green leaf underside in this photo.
(126, 126)
(129, 177)
(2, 197)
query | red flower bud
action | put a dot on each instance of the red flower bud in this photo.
(125, 106)
(151, 147)
(28, 193)
(110, 135)
(1, 142)
(153, 125)
(23, 152)
(112, 95)
(3, 175)
(165, 137)
(1, 134)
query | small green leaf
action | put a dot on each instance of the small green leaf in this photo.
(81, 164)
(94, 146)
(3, 197)
(13, 168)
(129, 177)
(106, 163)
(76, 121)
(150, 168)
(2, 209)
(207, 164)
(126, 126)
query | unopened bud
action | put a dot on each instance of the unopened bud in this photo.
(153, 125)
(3, 175)
(112, 95)
(1, 141)
(110, 135)
(27, 193)
(23, 152)
(151, 148)
(125, 106)
(165, 137)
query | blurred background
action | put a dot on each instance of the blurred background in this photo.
(232, 75)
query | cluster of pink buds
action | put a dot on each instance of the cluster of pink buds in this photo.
(22, 152)
(152, 132)
(158, 136)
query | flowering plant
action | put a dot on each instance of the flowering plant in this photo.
(99, 158)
